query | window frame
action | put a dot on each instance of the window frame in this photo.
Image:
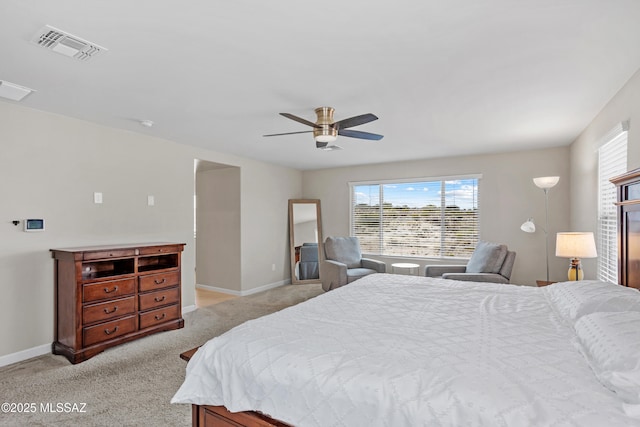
(430, 179)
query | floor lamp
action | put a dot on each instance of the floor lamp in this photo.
(545, 183)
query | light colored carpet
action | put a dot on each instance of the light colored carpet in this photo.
(132, 384)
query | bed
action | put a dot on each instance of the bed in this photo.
(391, 350)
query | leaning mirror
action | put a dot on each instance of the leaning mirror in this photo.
(305, 238)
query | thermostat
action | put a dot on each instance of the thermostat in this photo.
(34, 225)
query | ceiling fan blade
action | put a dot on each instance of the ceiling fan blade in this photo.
(355, 121)
(289, 133)
(359, 134)
(300, 120)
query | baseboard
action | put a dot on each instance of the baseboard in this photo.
(29, 353)
(217, 289)
(247, 292)
(43, 349)
(188, 308)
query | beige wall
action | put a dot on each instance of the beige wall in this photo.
(625, 105)
(50, 165)
(506, 191)
(266, 191)
(218, 259)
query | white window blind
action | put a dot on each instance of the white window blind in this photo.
(423, 218)
(612, 161)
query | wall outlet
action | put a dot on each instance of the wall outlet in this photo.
(151, 200)
(97, 197)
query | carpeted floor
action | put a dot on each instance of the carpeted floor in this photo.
(132, 384)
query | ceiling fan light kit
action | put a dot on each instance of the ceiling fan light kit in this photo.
(326, 130)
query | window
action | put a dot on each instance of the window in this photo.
(435, 217)
(612, 161)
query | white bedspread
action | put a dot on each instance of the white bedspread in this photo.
(391, 350)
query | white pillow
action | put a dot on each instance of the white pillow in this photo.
(611, 343)
(576, 299)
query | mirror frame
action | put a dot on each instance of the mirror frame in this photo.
(292, 251)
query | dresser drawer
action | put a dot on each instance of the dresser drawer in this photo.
(109, 330)
(116, 253)
(159, 281)
(158, 298)
(111, 289)
(160, 315)
(108, 310)
(160, 250)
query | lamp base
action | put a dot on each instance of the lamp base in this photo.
(575, 270)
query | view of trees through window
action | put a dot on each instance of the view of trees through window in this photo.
(422, 219)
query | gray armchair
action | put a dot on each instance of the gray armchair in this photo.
(309, 268)
(344, 264)
(490, 262)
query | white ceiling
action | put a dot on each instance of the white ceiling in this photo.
(445, 78)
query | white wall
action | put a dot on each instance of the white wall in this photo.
(506, 192)
(50, 165)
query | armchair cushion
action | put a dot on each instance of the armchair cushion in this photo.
(476, 277)
(345, 249)
(354, 274)
(487, 258)
(440, 270)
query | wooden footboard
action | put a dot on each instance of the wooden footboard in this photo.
(219, 416)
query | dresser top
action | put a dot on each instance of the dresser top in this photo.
(112, 247)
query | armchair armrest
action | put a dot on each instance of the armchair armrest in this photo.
(374, 264)
(440, 270)
(477, 277)
(333, 274)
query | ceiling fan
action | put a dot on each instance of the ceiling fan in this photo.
(325, 130)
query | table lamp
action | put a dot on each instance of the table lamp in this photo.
(575, 245)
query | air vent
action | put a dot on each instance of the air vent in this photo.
(66, 44)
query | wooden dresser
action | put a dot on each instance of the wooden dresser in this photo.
(628, 186)
(108, 295)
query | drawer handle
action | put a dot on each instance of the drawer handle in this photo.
(107, 291)
(159, 282)
(108, 332)
(156, 299)
(160, 317)
(106, 310)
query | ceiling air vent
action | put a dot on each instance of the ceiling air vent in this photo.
(66, 44)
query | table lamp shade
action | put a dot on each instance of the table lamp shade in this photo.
(575, 245)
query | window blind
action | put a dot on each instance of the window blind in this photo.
(612, 161)
(423, 218)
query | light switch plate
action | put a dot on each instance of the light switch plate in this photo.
(151, 200)
(97, 197)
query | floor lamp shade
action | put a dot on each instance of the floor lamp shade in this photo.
(546, 182)
(575, 245)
